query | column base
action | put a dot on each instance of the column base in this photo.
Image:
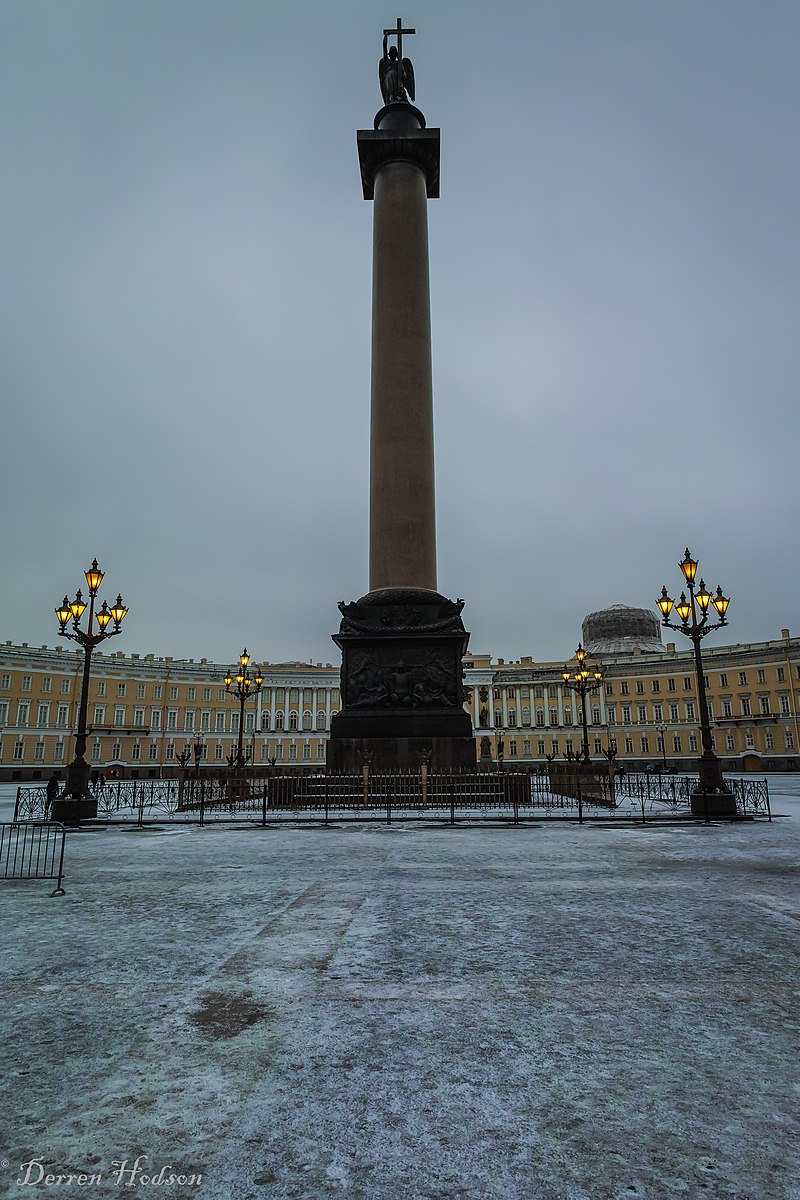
(70, 811)
(713, 804)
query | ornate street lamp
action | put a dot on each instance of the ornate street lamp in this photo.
(69, 613)
(712, 797)
(246, 685)
(583, 681)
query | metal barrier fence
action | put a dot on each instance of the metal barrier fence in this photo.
(33, 850)
(436, 796)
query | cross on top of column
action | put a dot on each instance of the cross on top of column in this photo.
(398, 33)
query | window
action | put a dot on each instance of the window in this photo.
(553, 716)
(279, 750)
(783, 701)
(62, 715)
(687, 683)
(121, 689)
(690, 711)
(173, 693)
(745, 703)
(38, 751)
(639, 686)
(730, 741)
(526, 747)
(250, 722)
(99, 714)
(47, 684)
(119, 715)
(526, 715)
(539, 693)
(609, 689)
(611, 713)
(598, 746)
(645, 745)
(693, 742)
(624, 687)
(221, 694)
(3, 712)
(188, 720)
(789, 740)
(512, 716)
(641, 710)
(293, 750)
(234, 722)
(66, 687)
(320, 749)
(306, 749)
(19, 750)
(43, 716)
(764, 705)
(658, 712)
(567, 716)
(157, 692)
(265, 720)
(23, 712)
(498, 718)
(749, 740)
(670, 685)
(554, 746)
(26, 683)
(673, 712)
(172, 718)
(205, 720)
(723, 680)
(540, 745)
(219, 721)
(512, 749)
(781, 675)
(58, 753)
(540, 716)
(596, 714)
(569, 746)
(769, 741)
(141, 691)
(293, 720)
(761, 676)
(96, 752)
(153, 751)
(191, 693)
(320, 718)
(136, 751)
(170, 754)
(676, 744)
(138, 716)
(626, 714)
(656, 685)
(629, 745)
(742, 679)
(218, 752)
(510, 693)
(6, 681)
(279, 719)
(307, 720)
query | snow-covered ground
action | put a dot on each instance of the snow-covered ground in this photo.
(382, 1013)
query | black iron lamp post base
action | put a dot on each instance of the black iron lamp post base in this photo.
(71, 811)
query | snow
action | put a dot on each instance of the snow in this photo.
(559, 1012)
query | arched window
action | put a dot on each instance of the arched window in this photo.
(553, 716)
(320, 718)
(498, 718)
(540, 717)
(567, 716)
(512, 716)
(526, 715)
(293, 719)
(279, 719)
(265, 720)
(307, 719)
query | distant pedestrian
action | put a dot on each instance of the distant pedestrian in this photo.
(53, 789)
(93, 780)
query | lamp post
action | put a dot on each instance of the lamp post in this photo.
(712, 797)
(662, 733)
(583, 682)
(246, 685)
(78, 801)
(198, 747)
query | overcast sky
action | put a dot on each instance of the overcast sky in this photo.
(185, 289)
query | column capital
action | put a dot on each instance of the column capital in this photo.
(376, 147)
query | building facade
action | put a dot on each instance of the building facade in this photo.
(144, 711)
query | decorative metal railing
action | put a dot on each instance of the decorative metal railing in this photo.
(569, 792)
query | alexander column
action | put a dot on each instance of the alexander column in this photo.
(402, 643)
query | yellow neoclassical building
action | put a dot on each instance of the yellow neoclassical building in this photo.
(144, 711)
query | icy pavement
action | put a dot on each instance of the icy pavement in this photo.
(376, 1013)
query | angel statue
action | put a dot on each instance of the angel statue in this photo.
(396, 75)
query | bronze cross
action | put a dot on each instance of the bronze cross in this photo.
(398, 33)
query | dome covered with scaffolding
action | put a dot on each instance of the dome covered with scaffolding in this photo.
(621, 629)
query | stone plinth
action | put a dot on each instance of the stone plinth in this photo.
(402, 683)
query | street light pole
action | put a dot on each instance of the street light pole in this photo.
(246, 685)
(583, 682)
(81, 803)
(712, 797)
